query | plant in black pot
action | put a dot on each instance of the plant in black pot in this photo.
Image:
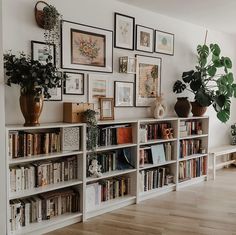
(211, 82)
(35, 80)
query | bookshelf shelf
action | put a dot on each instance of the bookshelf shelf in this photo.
(194, 156)
(110, 174)
(43, 189)
(193, 137)
(149, 166)
(158, 141)
(41, 157)
(114, 147)
(189, 182)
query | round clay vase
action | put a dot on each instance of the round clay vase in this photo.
(182, 107)
(197, 109)
(31, 108)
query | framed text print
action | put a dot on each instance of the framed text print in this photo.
(164, 42)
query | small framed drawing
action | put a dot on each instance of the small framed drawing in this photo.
(86, 48)
(73, 83)
(124, 31)
(144, 39)
(107, 108)
(148, 79)
(124, 94)
(164, 42)
(40, 51)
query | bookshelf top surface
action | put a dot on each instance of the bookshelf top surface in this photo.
(193, 118)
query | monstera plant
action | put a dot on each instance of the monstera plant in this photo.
(211, 81)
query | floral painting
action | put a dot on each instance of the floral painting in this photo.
(88, 48)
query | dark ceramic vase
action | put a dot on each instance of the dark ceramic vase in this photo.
(197, 109)
(182, 107)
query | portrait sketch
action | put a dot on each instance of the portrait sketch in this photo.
(144, 38)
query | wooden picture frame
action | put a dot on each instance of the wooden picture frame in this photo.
(124, 31)
(107, 109)
(85, 47)
(144, 39)
(125, 97)
(73, 83)
(164, 42)
(148, 80)
(40, 51)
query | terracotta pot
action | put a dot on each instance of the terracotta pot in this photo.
(182, 107)
(197, 109)
(31, 108)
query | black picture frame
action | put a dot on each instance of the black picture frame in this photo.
(33, 53)
(66, 74)
(115, 94)
(163, 51)
(137, 46)
(66, 44)
(116, 44)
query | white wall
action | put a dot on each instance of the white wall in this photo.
(20, 28)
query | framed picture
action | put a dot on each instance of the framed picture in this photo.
(164, 42)
(124, 31)
(74, 83)
(144, 39)
(124, 94)
(148, 79)
(86, 48)
(127, 65)
(107, 108)
(56, 94)
(40, 51)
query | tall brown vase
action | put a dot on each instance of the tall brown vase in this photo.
(31, 108)
(197, 109)
(182, 107)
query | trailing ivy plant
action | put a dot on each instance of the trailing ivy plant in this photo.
(211, 81)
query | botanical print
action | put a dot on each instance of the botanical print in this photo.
(124, 32)
(99, 89)
(148, 84)
(88, 48)
(145, 39)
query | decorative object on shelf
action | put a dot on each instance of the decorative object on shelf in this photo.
(197, 109)
(124, 94)
(74, 83)
(35, 80)
(164, 42)
(148, 79)
(167, 133)
(86, 48)
(159, 109)
(42, 52)
(95, 169)
(124, 31)
(182, 107)
(71, 138)
(233, 134)
(107, 108)
(127, 65)
(208, 86)
(144, 39)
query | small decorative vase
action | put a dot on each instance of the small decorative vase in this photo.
(31, 108)
(182, 107)
(197, 109)
(158, 108)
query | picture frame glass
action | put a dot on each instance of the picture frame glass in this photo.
(144, 38)
(164, 43)
(124, 94)
(74, 84)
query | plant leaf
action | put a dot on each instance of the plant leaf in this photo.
(188, 76)
(223, 115)
(215, 49)
(212, 71)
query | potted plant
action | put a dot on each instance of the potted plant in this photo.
(35, 80)
(211, 82)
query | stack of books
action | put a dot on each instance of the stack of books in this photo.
(188, 128)
(190, 147)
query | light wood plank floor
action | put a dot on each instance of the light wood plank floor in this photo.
(207, 208)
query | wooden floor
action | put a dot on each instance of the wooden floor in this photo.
(206, 208)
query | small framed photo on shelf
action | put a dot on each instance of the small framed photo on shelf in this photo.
(86, 47)
(124, 31)
(107, 108)
(164, 42)
(40, 51)
(144, 39)
(124, 94)
(73, 83)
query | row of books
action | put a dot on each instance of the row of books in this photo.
(155, 178)
(42, 207)
(190, 147)
(113, 135)
(113, 160)
(192, 168)
(22, 143)
(153, 131)
(43, 173)
(155, 154)
(193, 127)
(106, 190)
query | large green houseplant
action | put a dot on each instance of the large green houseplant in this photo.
(35, 79)
(211, 81)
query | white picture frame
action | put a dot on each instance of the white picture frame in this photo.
(124, 94)
(164, 42)
(144, 39)
(73, 83)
